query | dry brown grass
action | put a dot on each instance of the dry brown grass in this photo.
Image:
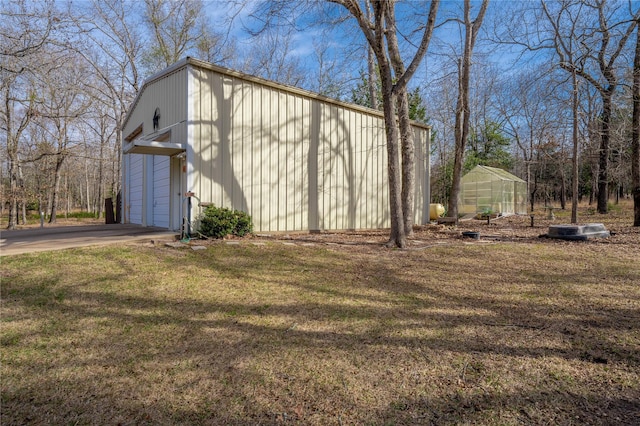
(512, 329)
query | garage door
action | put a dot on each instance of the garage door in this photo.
(135, 188)
(161, 191)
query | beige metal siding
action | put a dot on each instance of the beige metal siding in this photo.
(169, 93)
(292, 161)
(351, 163)
(134, 189)
(423, 171)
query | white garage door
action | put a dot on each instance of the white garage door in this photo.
(161, 191)
(135, 188)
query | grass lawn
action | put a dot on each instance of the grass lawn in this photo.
(526, 331)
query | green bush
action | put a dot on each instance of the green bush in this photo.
(218, 222)
(33, 205)
(244, 225)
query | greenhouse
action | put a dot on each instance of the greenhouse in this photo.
(491, 190)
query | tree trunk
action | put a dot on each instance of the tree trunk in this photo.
(397, 236)
(574, 160)
(563, 190)
(87, 183)
(12, 157)
(406, 135)
(13, 192)
(68, 196)
(371, 66)
(635, 133)
(461, 131)
(22, 202)
(56, 189)
(603, 173)
(594, 182)
(373, 91)
(408, 162)
(100, 186)
(24, 212)
(380, 35)
(530, 190)
(462, 108)
(117, 172)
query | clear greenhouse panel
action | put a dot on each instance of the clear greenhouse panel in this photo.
(491, 190)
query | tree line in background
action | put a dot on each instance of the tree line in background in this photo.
(548, 90)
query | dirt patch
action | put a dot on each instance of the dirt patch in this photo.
(502, 229)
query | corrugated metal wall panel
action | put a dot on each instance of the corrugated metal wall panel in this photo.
(228, 182)
(382, 209)
(313, 158)
(218, 115)
(161, 195)
(236, 135)
(258, 209)
(324, 167)
(168, 94)
(282, 163)
(273, 168)
(264, 157)
(301, 194)
(134, 203)
(194, 134)
(244, 154)
(292, 162)
(423, 171)
(358, 163)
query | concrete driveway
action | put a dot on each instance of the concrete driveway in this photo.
(62, 237)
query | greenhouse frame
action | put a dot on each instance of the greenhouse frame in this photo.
(489, 190)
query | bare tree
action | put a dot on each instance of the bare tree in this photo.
(575, 99)
(635, 130)
(179, 28)
(441, 110)
(380, 30)
(378, 26)
(59, 102)
(16, 116)
(371, 65)
(526, 108)
(110, 41)
(471, 29)
(270, 56)
(25, 30)
(590, 51)
(99, 132)
(332, 76)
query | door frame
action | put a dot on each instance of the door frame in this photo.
(177, 180)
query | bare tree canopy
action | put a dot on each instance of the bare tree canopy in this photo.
(178, 28)
(471, 29)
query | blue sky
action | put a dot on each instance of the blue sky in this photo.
(446, 38)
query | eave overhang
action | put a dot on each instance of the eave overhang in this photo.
(155, 144)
